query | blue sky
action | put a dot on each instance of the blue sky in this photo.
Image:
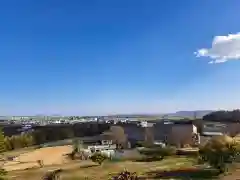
(105, 57)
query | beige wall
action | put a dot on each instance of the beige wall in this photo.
(182, 134)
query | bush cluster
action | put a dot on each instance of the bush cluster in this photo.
(98, 158)
(157, 153)
(220, 152)
(185, 152)
(126, 175)
(18, 141)
(53, 175)
(15, 142)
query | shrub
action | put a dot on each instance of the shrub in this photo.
(149, 159)
(54, 175)
(98, 158)
(40, 163)
(126, 175)
(3, 174)
(187, 152)
(219, 152)
(72, 155)
(168, 151)
(139, 144)
(2, 143)
(157, 153)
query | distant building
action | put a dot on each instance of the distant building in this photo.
(212, 128)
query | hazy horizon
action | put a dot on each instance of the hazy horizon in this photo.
(139, 113)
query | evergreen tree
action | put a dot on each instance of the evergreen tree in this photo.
(2, 143)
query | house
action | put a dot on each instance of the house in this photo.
(182, 133)
(176, 132)
(102, 142)
(167, 132)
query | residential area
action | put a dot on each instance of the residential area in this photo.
(117, 142)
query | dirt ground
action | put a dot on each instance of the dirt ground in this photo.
(49, 156)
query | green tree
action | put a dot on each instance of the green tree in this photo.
(2, 142)
(77, 147)
(8, 144)
(26, 140)
(16, 142)
(98, 158)
(219, 152)
(3, 173)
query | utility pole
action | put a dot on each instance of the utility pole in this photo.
(195, 115)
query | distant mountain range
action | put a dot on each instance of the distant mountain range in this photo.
(183, 114)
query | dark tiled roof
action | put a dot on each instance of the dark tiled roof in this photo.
(179, 122)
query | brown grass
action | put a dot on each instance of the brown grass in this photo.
(91, 171)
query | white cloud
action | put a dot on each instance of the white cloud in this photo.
(224, 48)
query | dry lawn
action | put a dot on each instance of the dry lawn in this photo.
(88, 170)
(49, 156)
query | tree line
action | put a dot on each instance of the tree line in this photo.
(15, 142)
(11, 139)
(223, 116)
(43, 134)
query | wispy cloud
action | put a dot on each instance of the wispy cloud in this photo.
(224, 48)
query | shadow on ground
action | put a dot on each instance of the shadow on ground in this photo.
(149, 159)
(89, 166)
(191, 174)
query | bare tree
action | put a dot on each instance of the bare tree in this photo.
(118, 136)
(149, 136)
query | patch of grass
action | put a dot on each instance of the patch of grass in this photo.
(149, 159)
(108, 169)
(188, 173)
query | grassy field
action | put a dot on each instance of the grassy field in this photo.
(174, 167)
(88, 170)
